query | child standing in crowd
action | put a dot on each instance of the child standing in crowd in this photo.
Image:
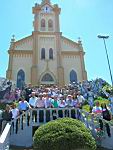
(15, 114)
(97, 112)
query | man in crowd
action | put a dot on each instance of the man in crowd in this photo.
(23, 105)
(33, 102)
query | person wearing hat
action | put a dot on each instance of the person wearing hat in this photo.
(62, 102)
(55, 102)
(33, 100)
(69, 101)
(40, 102)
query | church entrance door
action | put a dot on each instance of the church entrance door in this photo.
(47, 79)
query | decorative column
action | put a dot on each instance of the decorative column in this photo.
(60, 69)
(82, 53)
(34, 68)
(35, 11)
(57, 11)
(10, 52)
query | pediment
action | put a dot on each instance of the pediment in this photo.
(69, 45)
(24, 44)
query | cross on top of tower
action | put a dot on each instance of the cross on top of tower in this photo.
(13, 38)
(45, 1)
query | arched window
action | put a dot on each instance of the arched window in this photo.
(47, 77)
(50, 25)
(73, 76)
(43, 53)
(20, 79)
(43, 25)
(50, 53)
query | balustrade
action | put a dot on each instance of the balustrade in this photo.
(39, 116)
(36, 117)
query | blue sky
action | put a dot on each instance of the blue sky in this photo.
(79, 18)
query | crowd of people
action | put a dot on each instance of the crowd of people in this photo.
(88, 90)
(72, 95)
(5, 88)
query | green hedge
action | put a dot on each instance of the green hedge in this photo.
(63, 134)
(2, 106)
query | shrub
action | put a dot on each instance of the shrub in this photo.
(2, 106)
(86, 108)
(102, 100)
(108, 88)
(63, 134)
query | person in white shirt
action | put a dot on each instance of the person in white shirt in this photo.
(80, 99)
(33, 100)
(15, 111)
(69, 101)
(97, 112)
(62, 102)
(15, 114)
(47, 101)
(40, 103)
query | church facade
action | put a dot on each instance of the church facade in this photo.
(46, 56)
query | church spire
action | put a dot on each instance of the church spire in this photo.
(45, 1)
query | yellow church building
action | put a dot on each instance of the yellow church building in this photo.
(46, 56)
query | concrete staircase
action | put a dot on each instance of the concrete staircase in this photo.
(21, 130)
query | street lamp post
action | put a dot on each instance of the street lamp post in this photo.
(106, 37)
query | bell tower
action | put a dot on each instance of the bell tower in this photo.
(46, 25)
(46, 17)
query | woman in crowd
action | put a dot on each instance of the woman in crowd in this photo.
(6, 116)
(107, 116)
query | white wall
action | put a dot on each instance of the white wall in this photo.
(23, 63)
(47, 43)
(68, 45)
(69, 63)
